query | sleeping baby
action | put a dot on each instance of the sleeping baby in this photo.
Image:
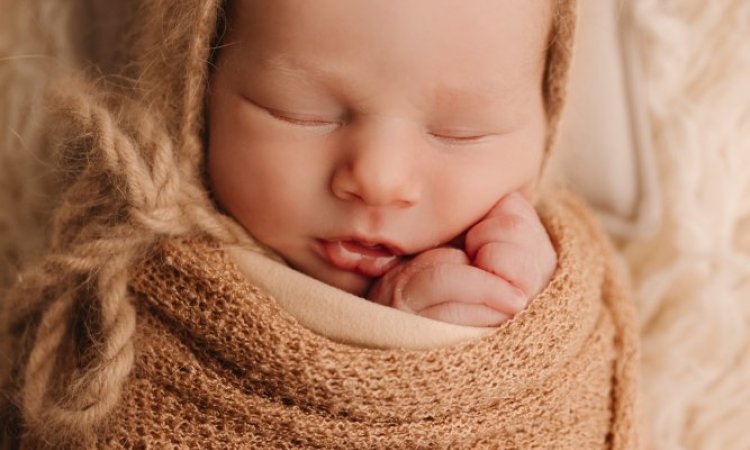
(398, 151)
(389, 153)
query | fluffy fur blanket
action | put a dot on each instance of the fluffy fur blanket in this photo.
(693, 274)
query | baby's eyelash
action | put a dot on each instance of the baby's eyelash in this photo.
(290, 118)
(459, 139)
(302, 122)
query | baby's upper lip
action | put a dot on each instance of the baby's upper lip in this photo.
(393, 248)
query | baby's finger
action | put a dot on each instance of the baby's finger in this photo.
(521, 226)
(383, 290)
(458, 283)
(519, 266)
(440, 255)
(513, 203)
(465, 314)
(504, 228)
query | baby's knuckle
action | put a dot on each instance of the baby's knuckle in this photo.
(493, 229)
(474, 238)
(438, 273)
(495, 258)
(487, 257)
(510, 222)
(447, 254)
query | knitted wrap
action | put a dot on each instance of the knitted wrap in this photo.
(131, 148)
(222, 365)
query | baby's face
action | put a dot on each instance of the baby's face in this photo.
(346, 134)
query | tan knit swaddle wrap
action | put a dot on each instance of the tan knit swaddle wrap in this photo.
(133, 153)
(221, 355)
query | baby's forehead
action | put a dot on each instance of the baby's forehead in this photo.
(488, 27)
(491, 43)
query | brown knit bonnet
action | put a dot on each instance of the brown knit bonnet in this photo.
(133, 151)
(194, 48)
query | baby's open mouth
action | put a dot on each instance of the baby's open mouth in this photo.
(371, 260)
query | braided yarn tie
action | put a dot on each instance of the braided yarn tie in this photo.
(129, 194)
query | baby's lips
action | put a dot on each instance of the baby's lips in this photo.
(370, 261)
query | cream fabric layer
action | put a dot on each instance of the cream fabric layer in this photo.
(343, 317)
(604, 151)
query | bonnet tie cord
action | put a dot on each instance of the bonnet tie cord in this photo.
(128, 196)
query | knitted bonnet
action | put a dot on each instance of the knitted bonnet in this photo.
(132, 148)
(177, 78)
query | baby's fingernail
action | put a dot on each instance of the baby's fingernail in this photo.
(519, 301)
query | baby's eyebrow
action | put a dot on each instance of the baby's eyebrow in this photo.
(478, 96)
(475, 95)
(295, 66)
(459, 96)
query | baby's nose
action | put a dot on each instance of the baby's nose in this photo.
(378, 169)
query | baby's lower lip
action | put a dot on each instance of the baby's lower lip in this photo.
(354, 257)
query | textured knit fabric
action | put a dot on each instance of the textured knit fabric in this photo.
(220, 365)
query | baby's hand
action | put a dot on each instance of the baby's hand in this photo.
(442, 285)
(512, 243)
(510, 260)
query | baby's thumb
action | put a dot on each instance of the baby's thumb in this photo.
(388, 290)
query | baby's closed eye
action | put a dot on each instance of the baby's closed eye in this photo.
(460, 138)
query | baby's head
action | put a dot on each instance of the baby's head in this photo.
(344, 132)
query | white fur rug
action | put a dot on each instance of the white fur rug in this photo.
(692, 278)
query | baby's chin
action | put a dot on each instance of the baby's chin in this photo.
(351, 282)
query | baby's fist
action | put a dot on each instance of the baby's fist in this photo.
(512, 243)
(442, 285)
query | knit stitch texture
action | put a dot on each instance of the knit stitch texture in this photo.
(220, 365)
